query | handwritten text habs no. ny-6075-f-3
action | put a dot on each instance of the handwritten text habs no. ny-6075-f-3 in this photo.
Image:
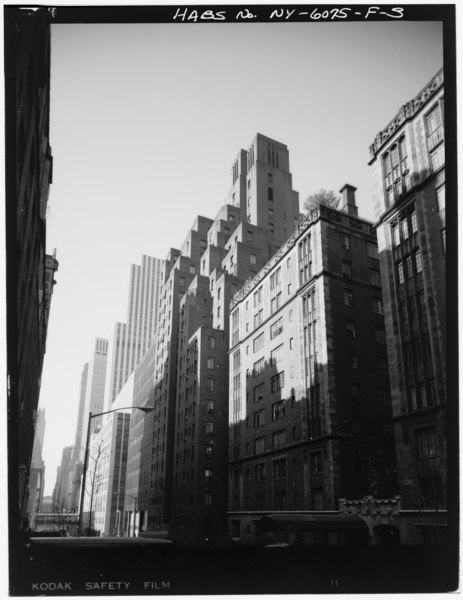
(287, 14)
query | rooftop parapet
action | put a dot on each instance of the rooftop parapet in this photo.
(406, 113)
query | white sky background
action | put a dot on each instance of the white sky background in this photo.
(146, 121)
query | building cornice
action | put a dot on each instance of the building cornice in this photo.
(406, 113)
(321, 212)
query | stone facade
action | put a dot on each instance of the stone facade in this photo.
(310, 416)
(188, 439)
(408, 169)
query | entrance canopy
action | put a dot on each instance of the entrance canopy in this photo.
(303, 522)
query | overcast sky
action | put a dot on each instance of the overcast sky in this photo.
(146, 121)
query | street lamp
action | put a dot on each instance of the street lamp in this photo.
(145, 409)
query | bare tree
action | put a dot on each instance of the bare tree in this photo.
(327, 198)
(95, 479)
(60, 512)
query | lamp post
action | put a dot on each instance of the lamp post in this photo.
(145, 409)
(135, 512)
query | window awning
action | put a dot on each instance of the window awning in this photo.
(303, 522)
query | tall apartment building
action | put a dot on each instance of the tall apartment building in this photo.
(137, 484)
(94, 392)
(309, 391)
(131, 341)
(188, 439)
(133, 338)
(37, 474)
(79, 442)
(29, 269)
(408, 169)
(109, 463)
(63, 486)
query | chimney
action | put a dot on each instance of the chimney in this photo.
(348, 200)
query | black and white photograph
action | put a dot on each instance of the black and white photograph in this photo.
(228, 284)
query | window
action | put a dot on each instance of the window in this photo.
(259, 418)
(276, 355)
(289, 289)
(211, 343)
(259, 367)
(270, 177)
(404, 228)
(348, 297)
(207, 499)
(259, 472)
(278, 410)
(440, 197)
(210, 363)
(315, 462)
(409, 266)
(418, 264)
(437, 158)
(375, 278)
(192, 269)
(279, 468)
(346, 270)
(423, 396)
(353, 360)
(278, 381)
(259, 392)
(209, 427)
(252, 259)
(400, 272)
(278, 439)
(270, 194)
(395, 170)
(209, 451)
(395, 234)
(426, 442)
(181, 281)
(258, 342)
(372, 250)
(210, 384)
(259, 445)
(443, 240)
(275, 303)
(377, 306)
(291, 343)
(380, 336)
(258, 318)
(305, 259)
(210, 406)
(275, 281)
(434, 128)
(345, 241)
(276, 328)
(350, 328)
(354, 392)
(208, 474)
(413, 223)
